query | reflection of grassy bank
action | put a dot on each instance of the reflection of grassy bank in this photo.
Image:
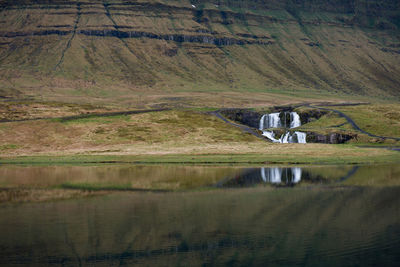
(40, 182)
(39, 195)
(27, 183)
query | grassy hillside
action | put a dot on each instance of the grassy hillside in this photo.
(228, 53)
(378, 119)
(168, 136)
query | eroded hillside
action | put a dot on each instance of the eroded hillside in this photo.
(146, 50)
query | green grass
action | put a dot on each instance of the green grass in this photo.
(253, 158)
(97, 120)
(97, 187)
(8, 147)
(379, 119)
(389, 175)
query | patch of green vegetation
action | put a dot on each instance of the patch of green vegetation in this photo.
(373, 176)
(96, 186)
(96, 119)
(8, 147)
(378, 119)
(133, 132)
(378, 156)
(329, 123)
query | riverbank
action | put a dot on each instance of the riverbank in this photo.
(269, 154)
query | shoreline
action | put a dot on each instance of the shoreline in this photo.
(390, 156)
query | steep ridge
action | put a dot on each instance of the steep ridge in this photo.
(69, 48)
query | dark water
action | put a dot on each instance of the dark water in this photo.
(235, 224)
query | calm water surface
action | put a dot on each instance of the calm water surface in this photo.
(288, 216)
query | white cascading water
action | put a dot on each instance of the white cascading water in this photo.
(273, 120)
(285, 138)
(262, 120)
(301, 137)
(271, 136)
(294, 120)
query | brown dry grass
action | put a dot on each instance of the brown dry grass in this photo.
(161, 132)
(22, 110)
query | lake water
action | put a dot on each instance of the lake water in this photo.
(220, 216)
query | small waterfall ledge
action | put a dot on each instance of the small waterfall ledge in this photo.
(270, 121)
(294, 120)
(274, 120)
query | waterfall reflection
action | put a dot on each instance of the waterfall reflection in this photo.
(285, 176)
(273, 175)
(279, 175)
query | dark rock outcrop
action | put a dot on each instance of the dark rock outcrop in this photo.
(179, 38)
(311, 115)
(243, 116)
(331, 138)
(252, 119)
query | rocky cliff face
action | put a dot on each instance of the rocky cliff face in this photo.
(331, 138)
(70, 47)
(243, 116)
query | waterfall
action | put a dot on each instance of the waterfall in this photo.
(273, 120)
(301, 137)
(271, 136)
(296, 137)
(285, 138)
(294, 120)
(262, 120)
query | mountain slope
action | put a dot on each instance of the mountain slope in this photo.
(144, 50)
